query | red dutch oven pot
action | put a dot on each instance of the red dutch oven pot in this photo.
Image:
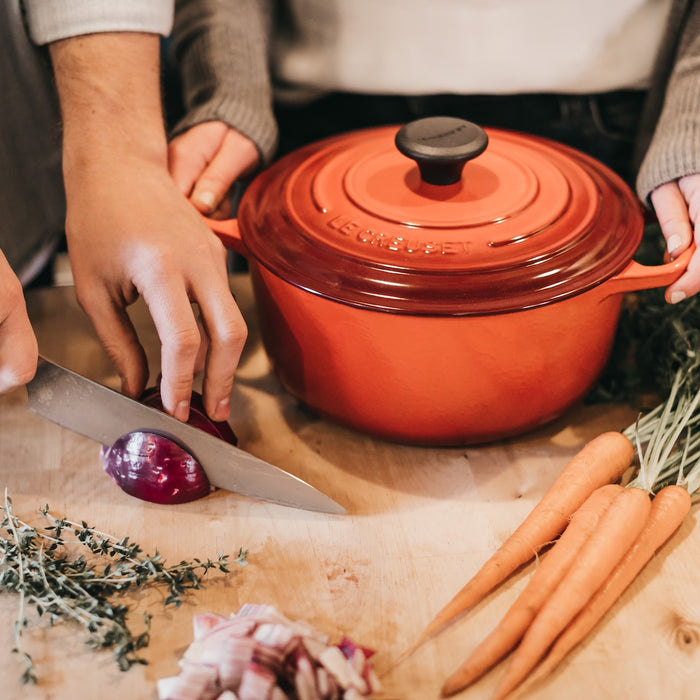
(425, 302)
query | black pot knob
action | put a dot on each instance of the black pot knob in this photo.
(441, 146)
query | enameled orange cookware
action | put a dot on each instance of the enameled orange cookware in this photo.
(440, 284)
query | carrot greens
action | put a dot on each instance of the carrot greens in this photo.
(667, 439)
(82, 578)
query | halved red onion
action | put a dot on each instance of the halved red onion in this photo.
(153, 468)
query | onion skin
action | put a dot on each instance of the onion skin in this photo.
(198, 416)
(152, 467)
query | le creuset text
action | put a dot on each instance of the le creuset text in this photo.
(347, 226)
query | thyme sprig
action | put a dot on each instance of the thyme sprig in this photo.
(83, 578)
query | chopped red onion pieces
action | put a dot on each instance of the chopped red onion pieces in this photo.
(259, 654)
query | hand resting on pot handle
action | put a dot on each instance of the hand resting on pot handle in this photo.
(677, 207)
(206, 160)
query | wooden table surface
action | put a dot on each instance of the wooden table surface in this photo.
(420, 521)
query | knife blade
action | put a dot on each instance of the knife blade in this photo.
(102, 414)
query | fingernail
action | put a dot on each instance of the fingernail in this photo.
(673, 243)
(222, 409)
(8, 379)
(207, 200)
(677, 296)
(182, 411)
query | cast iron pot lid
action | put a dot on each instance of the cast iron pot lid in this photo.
(441, 217)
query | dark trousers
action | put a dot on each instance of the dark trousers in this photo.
(604, 126)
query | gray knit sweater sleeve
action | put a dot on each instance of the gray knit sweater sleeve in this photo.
(674, 149)
(221, 50)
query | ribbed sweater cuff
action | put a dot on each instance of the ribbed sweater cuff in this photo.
(52, 20)
(259, 126)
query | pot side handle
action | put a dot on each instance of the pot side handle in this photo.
(637, 276)
(229, 233)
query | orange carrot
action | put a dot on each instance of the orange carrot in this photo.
(612, 539)
(668, 511)
(602, 461)
(543, 582)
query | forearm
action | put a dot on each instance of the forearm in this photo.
(220, 48)
(669, 177)
(674, 149)
(109, 89)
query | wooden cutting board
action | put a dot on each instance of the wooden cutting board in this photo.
(420, 521)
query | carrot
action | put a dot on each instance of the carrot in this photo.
(543, 582)
(615, 534)
(601, 461)
(668, 511)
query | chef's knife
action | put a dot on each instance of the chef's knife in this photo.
(102, 414)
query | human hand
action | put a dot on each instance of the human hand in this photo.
(129, 229)
(677, 207)
(206, 160)
(18, 346)
(132, 233)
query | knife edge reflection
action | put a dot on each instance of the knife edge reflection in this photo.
(102, 414)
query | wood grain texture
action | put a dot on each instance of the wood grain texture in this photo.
(420, 522)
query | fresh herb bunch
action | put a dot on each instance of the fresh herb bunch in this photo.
(46, 571)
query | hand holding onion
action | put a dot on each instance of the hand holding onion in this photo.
(153, 468)
(130, 230)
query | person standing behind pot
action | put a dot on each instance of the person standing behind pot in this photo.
(619, 80)
(95, 68)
